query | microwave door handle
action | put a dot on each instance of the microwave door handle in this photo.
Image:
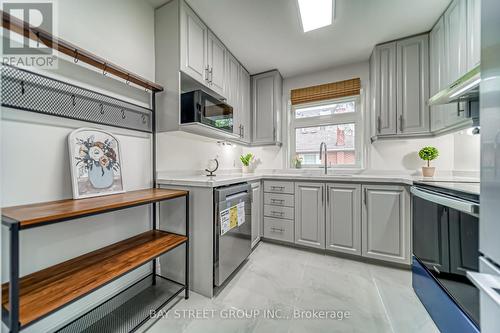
(444, 200)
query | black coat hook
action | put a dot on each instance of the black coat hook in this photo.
(101, 107)
(73, 100)
(22, 88)
(123, 114)
(76, 56)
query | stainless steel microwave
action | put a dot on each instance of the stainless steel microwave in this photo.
(198, 106)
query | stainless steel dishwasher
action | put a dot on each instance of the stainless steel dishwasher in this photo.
(232, 229)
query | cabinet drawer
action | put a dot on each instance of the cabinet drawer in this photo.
(278, 229)
(278, 212)
(279, 199)
(278, 187)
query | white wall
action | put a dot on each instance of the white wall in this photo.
(34, 154)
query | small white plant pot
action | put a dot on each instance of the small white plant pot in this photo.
(246, 169)
(428, 171)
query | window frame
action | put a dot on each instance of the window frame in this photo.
(336, 119)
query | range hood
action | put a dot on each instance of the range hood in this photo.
(462, 90)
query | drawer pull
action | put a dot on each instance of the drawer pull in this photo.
(277, 188)
(277, 213)
(277, 229)
(278, 201)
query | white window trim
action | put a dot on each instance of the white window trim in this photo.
(335, 119)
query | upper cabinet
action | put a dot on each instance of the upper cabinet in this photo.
(216, 63)
(193, 45)
(244, 107)
(473, 33)
(455, 18)
(266, 107)
(413, 84)
(400, 82)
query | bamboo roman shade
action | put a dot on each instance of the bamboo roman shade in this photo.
(326, 91)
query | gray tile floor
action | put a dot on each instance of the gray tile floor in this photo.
(288, 282)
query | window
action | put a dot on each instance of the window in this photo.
(337, 123)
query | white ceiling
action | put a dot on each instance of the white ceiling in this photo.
(267, 34)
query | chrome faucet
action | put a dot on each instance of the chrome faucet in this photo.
(326, 154)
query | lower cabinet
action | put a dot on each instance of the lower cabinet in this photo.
(386, 223)
(343, 218)
(310, 214)
(256, 213)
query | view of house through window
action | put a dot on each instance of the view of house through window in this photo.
(333, 123)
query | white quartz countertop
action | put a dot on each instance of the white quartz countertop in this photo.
(198, 180)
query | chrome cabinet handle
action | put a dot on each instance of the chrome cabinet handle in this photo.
(277, 213)
(401, 123)
(277, 229)
(379, 124)
(242, 131)
(211, 73)
(278, 201)
(277, 188)
(207, 74)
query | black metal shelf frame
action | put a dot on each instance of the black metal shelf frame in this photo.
(29, 91)
(24, 90)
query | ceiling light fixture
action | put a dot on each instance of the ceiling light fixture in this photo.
(316, 14)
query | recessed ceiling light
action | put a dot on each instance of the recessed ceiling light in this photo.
(316, 13)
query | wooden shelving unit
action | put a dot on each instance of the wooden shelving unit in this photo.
(30, 298)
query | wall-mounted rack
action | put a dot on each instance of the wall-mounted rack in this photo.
(31, 298)
(26, 90)
(78, 54)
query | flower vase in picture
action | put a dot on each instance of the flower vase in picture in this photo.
(95, 163)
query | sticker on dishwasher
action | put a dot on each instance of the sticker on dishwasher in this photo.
(232, 217)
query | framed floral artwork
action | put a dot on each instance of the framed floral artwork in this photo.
(95, 163)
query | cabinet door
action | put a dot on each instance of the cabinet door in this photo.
(455, 21)
(193, 45)
(266, 95)
(385, 223)
(437, 63)
(413, 85)
(216, 63)
(244, 96)
(385, 93)
(256, 213)
(473, 33)
(343, 218)
(310, 214)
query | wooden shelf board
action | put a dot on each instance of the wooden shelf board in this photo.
(45, 291)
(61, 210)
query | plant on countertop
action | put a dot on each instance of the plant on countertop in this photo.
(297, 161)
(246, 159)
(428, 154)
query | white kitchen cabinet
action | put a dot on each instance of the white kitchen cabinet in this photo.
(243, 128)
(385, 89)
(386, 223)
(232, 86)
(193, 45)
(455, 21)
(473, 33)
(310, 214)
(413, 84)
(343, 218)
(256, 213)
(437, 72)
(266, 107)
(216, 64)
(401, 87)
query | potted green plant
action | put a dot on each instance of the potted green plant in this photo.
(246, 160)
(297, 161)
(428, 154)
